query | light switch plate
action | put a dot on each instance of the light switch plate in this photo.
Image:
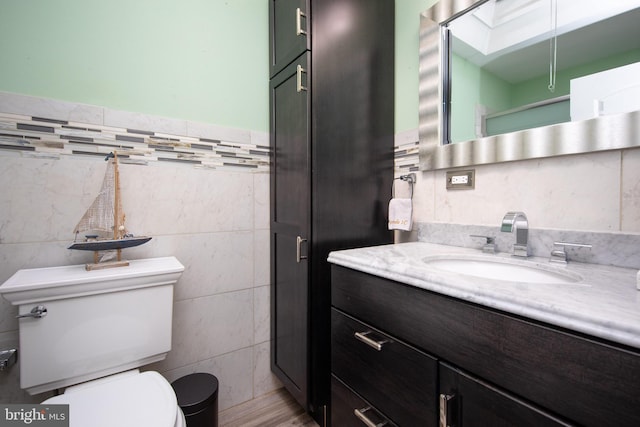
(461, 180)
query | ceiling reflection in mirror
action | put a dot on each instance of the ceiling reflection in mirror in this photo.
(516, 79)
(520, 64)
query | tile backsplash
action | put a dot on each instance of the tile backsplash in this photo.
(201, 191)
(617, 249)
(591, 198)
(591, 192)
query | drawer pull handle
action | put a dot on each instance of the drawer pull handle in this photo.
(364, 337)
(361, 414)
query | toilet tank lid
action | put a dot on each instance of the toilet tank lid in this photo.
(52, 283)
(139, 400)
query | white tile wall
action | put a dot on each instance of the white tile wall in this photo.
(630, 190)
(210, 326)
(595, 192)
(44, 107)
(263, 380)
(216, 222)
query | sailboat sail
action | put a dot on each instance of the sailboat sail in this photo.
(100, 215)
(105, 215)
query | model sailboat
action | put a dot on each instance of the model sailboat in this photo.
(106, 218)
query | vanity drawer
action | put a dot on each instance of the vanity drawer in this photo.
(347, 408)
(399, 380)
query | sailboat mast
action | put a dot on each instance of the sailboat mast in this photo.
(116, 201)
(116, 204)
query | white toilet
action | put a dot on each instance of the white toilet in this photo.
(89, 331)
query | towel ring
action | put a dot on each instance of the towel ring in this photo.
(410, 178)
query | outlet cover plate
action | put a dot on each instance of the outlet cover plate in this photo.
(461, 179)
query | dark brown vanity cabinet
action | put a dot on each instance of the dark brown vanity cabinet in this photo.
(331, 136)
(493, 368)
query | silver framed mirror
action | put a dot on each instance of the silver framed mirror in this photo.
(604, 132)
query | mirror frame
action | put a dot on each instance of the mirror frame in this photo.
(611, 132)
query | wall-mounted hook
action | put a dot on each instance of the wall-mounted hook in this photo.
(410, 178)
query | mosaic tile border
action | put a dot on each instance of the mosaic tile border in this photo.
(42, 127)
(46, 137)
(406, 157)
(406, 152)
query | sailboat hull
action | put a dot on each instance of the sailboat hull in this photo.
(107, 245)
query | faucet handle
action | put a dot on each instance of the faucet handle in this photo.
(489, 246)
(559, 256)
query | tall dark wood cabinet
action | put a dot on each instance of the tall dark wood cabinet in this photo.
(331, 134)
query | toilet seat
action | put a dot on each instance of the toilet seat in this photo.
(129, 399)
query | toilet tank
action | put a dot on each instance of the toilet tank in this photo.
(97, 322)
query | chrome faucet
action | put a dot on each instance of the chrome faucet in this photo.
(517, 221)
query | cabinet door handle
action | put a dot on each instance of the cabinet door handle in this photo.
(299, 241)
(299, 71)
(446, 409)
(363, 336)
(299, 15)
(361, 414)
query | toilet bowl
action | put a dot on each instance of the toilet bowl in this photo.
(87, 332)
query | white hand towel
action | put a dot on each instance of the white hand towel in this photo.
(400, 211)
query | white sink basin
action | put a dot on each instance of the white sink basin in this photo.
(506, 269)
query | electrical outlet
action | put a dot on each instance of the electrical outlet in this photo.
(461, 180)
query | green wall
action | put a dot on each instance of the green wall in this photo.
(202, 60)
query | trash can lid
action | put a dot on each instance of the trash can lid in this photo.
(195, 392)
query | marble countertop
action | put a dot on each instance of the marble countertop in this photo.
(605, 303)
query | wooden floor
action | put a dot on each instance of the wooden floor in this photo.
(276, 409)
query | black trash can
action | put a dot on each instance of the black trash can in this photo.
(198, 398)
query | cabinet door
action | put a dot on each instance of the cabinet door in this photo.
(466, 401)
(290, 199)
(289, 32)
